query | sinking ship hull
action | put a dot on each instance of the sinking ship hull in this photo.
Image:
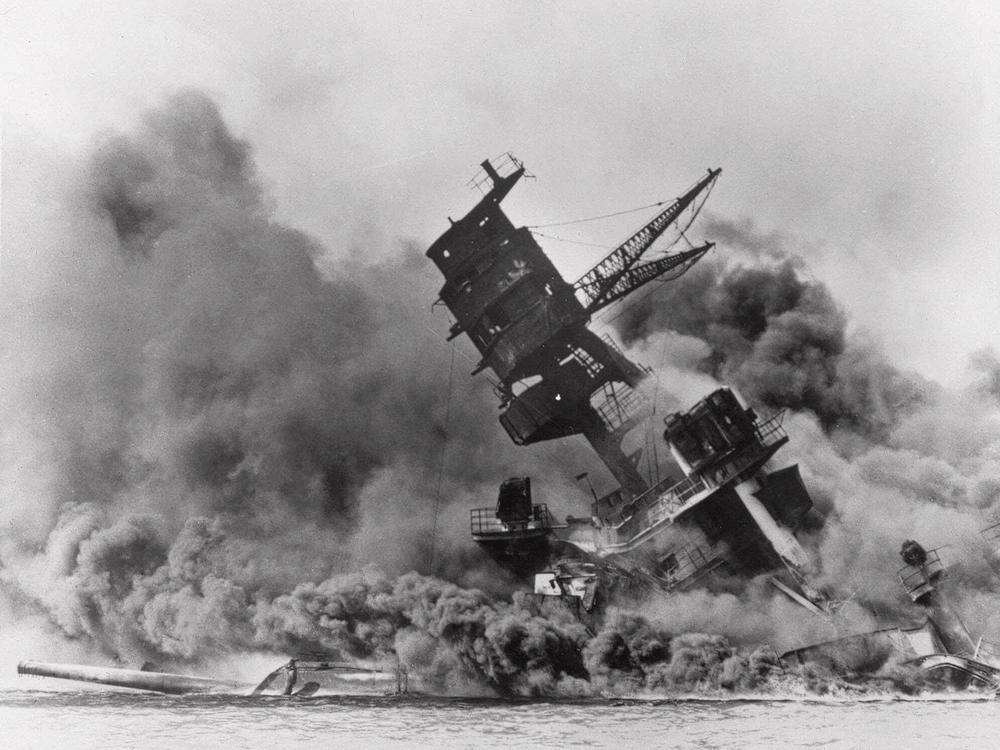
(556, 378)
(728, 510)
(733, 513)
(132, 679)
(307, 679)
(724, 508)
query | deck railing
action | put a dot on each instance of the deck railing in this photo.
(770, 430)
(619, 405)
(919, 580)
(663, 500)
(692, 561)
(505, 165)
(484, 521)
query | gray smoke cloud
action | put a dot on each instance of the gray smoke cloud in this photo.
(206, 409)
(211, 425)
(777, 336)
(986, 363)
(886, 454)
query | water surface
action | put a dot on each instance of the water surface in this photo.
(91, 719)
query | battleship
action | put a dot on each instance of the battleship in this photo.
(727, 510)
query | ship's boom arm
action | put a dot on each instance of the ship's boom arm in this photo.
(594, 287)
(635, 277)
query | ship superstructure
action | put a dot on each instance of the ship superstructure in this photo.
(556, 378)
(727, 507)
(731, 509)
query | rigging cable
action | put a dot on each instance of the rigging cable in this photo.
(470, 360)
(572, 242)
(651, 430)
(596, 218)
(619, 213)
(444, 447)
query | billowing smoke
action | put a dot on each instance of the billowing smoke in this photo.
(173, 353)
(887, 455)
(987, 364)
(220, 437)
(777, 336)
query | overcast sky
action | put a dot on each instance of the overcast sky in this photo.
(866, 134)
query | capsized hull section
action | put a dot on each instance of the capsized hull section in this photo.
(310, 678)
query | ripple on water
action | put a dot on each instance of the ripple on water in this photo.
(66, 720)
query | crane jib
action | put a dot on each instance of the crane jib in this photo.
(637, 276)
(595, 284)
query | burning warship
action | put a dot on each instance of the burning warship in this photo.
(728, 511)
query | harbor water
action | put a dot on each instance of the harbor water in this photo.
(66, 720)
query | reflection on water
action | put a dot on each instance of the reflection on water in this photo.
(70, 719)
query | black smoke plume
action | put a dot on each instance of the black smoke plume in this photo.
(221, 437)
(777, 336)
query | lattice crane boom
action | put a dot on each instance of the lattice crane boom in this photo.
(637, 276)
(593, 287)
